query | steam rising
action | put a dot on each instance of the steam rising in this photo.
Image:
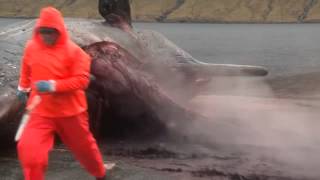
(245, 113)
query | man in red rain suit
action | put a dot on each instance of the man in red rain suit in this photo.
(57, 70)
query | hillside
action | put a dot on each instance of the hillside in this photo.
(247, 11)
(263, 11)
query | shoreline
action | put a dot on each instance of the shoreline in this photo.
(174, 22)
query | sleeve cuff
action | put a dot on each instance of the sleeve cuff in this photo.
(24, 89)
(53, 87)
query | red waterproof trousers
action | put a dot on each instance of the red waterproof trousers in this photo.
(38, 139)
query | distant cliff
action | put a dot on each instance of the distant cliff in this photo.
(241, 11)
(247, 11)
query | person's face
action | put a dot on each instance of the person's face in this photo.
(49, 36)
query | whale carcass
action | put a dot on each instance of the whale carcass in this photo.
(142, 79)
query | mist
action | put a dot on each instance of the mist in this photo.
(245, 115)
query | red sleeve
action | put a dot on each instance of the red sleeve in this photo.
(24, 81)
(79, 74)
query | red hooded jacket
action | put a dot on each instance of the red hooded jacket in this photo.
(65, 62)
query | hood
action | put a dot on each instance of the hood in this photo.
(51, 17)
